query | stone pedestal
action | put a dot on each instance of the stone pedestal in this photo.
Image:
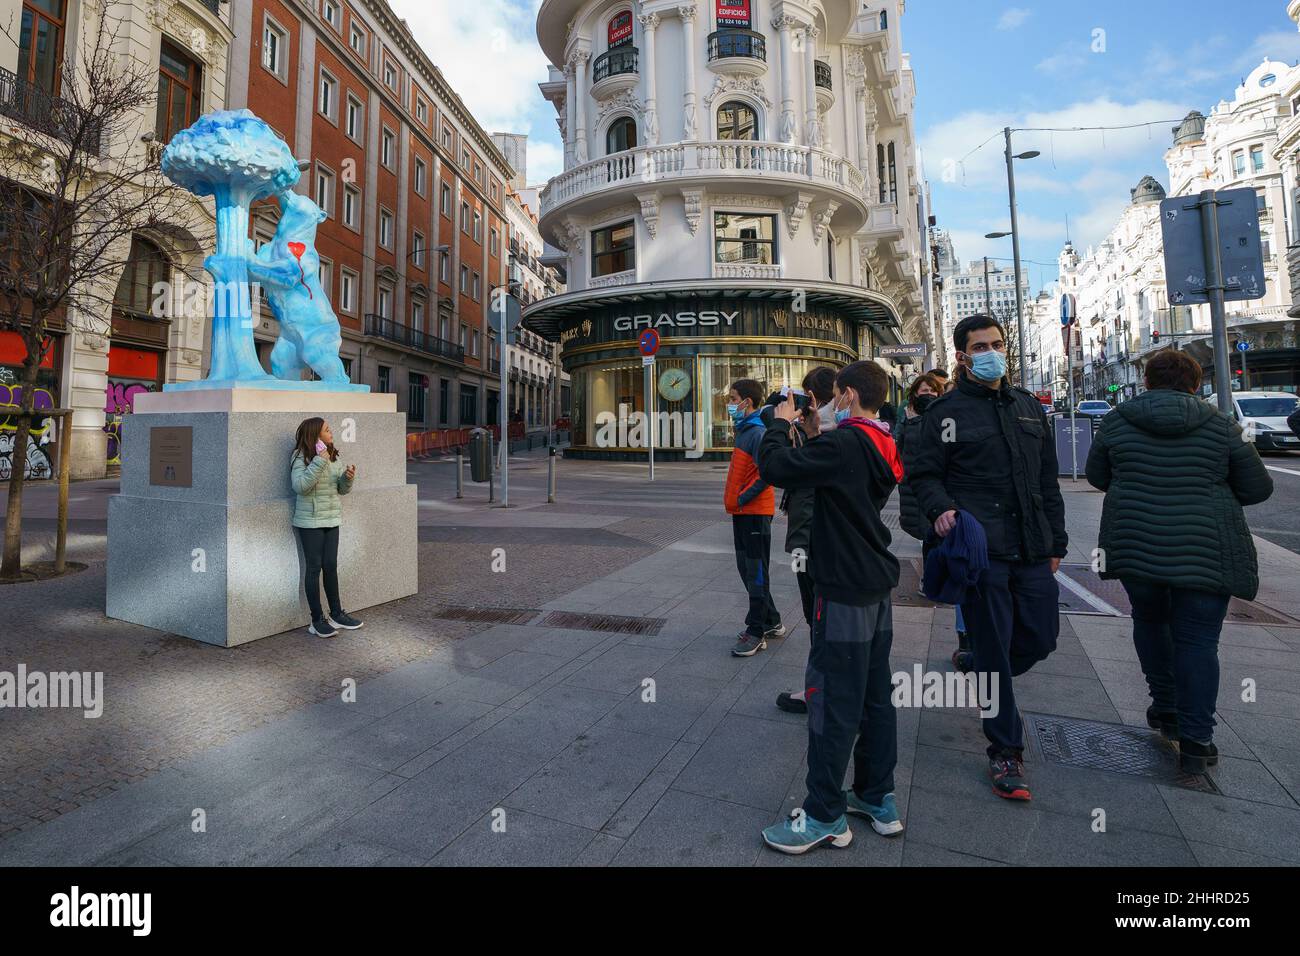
(218, 561)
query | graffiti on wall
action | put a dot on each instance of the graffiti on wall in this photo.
(119, 401)
(42, 432)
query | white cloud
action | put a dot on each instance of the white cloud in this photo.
(487, 50)
(1013, 17)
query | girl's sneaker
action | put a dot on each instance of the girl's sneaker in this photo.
(884, 818)
(322, 628)
(799, 834)
(345, 621)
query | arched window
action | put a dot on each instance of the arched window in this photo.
(146, 266)
(620, 136)
(737, 121)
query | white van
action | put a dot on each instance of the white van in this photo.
(1265, 414)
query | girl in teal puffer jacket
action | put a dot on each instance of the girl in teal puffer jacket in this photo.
(318, 479)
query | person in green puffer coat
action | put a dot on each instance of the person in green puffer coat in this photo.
(1176, 472)
(318, 479)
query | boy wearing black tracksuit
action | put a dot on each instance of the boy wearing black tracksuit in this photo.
(853, 470)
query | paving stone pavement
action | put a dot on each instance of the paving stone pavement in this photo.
(533, 745)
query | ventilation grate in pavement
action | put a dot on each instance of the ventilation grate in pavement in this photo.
(660, 531)
(609, 623)
(1115, 748)
(485, 615)
(1112, 592)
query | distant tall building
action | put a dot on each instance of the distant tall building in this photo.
(514, 147)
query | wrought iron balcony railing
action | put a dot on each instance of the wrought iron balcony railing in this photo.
(620, 60)
(47, 113)
(822, 74)
(380, 327)
(746, 43)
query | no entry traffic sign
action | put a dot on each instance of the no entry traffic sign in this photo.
(649, 342)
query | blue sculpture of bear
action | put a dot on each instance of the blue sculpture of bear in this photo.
(288, 268)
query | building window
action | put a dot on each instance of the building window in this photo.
(385, 304)
(495, 193)
(417, 314)
(1239, 163)
(464, 157)
(893, 176)
(444, 266)
(494, 242)
(348, 291)
(621, 135)
(275, 49)
(464, 336)
(421, 110)
(330, 10)
(390, 75)
(737, 121)
(444, 401)
(417, 249)
(385, 379)
(613, 249)
(386, 142)
(180, 84)
(325, 189)
(478, 172)
(464, 280)
(145, 267)
(385, 228)
(1261, 202)
(1257, 158)
(40, 49)
(473, 344)
(476, 288)
(464, 217)
(468, 404)
(421, 171)
(351, 206)
(355, 125)
(478, 227)
(357, 40)
(328, 95)
(417, 396)
(326, 276)
(744, 238)
(446, 136)
(444, 201)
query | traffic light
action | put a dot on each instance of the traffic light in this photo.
(1155, 337)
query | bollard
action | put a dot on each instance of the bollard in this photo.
(550, 476)
(491, 477)
(460, 474)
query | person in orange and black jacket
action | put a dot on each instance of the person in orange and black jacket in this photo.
(751, 503)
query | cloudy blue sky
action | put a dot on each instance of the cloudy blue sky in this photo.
(979, 67)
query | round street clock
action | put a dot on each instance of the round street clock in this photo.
(674, 384)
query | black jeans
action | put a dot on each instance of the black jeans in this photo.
(848, 689)
(320, 552)
(752, 536)
(1176, 635)
(1014, 620)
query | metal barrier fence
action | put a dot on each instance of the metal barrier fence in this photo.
(445, 441)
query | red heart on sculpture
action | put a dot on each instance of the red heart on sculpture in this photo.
(297, 248)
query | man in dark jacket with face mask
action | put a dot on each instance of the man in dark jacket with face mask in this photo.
(985, 448)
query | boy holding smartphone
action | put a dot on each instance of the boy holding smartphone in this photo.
(853, 470)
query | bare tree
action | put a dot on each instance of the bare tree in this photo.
(65, 230)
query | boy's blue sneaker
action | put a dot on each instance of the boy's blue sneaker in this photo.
(884, 818)
(811, 833)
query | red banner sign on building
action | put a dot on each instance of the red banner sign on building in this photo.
(733, 13)
(620, 29)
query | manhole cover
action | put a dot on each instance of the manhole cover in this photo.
(1115, 748)
(486, 615)
(611, 623)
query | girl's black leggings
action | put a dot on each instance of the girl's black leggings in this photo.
(320, 550)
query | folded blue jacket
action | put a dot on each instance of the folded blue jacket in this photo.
(956, 565)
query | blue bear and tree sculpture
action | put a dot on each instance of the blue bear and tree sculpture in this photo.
(237, 159)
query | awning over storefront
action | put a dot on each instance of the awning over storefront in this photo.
(866, 307)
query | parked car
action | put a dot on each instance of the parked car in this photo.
(1264, 414)
(1093, 408)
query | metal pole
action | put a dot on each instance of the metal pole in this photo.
(650, 417)
(491, 475)
(1245, 384)
(550, 476)
(1214, 288)
(1074, 440)
(460, 473)
(65, 464)
(988, 295)
(504, 403)
(1015, 252)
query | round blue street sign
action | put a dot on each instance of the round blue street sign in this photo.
(1067, 309)
(649, 342)
(1243, 346)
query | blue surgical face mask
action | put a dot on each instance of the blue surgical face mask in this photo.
(989, 366)
(737, 416)
(841, 414)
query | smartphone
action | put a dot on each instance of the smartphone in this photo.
(802, 400)
(321, 447)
